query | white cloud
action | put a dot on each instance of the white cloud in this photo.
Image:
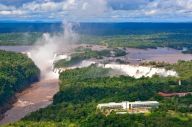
(3, 7)
(69, 4)
(10, 10)
(98, 9)
(151, 12)
(38, 7)
(13, 12)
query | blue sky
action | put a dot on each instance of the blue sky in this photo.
(97, 10)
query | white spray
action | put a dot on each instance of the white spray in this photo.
(43, 52)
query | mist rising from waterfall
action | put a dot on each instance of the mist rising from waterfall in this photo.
(49, 44)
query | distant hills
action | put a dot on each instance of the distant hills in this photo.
(97, 28)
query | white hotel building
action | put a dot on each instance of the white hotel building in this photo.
(126, 105)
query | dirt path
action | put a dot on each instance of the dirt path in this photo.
(39, 95)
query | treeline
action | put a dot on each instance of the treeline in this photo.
(181, 41)
(82, 89)
(17, 72)
(19, 38)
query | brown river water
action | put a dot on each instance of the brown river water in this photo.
(40, 94)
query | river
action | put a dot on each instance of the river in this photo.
(39, 95)
(160, 54)
(167, 55)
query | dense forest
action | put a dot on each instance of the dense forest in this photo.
(180, 40)
(19, 38)
(82, 89)
(17, 72)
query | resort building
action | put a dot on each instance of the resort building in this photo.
(129, 107)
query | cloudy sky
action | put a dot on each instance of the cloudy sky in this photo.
(97, 10)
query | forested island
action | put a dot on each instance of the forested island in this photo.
(82, 89)
(86, 53)
(17, 72)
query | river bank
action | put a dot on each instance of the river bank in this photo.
(39, 95)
